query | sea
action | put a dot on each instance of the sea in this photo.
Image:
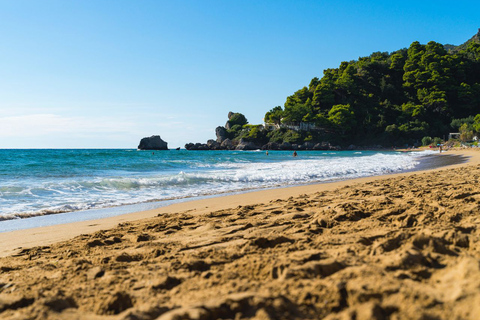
(48, 187)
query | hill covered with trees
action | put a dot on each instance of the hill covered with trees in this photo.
(426, 90)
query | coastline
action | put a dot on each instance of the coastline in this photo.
(13, 241)
(401, 246)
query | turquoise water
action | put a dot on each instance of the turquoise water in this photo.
(45, 182)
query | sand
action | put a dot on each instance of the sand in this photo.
(392, 247)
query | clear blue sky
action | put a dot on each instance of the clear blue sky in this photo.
(104, 74)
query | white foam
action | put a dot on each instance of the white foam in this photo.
(55, 196)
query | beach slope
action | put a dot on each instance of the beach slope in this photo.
(398, 247)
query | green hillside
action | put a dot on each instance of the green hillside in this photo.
(388, 98)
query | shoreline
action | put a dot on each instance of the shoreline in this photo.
(13, 241)
(29, 221)
(401, 246)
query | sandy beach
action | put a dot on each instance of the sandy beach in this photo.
(403, 246)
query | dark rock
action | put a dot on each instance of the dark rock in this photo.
(318, 146)
(308, 145)
(213, 145)
(271, 146)
(246, 145)
(286, 146)
(221, 134)
(152, 143)
(227, 144)
(201, 146)
(196, 146)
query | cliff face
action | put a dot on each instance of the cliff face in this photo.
(153, 143)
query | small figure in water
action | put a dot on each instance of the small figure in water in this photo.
(294, 153)
(266, 153)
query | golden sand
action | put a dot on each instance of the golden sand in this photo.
(391, 247)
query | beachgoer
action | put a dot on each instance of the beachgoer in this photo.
(294, 153)
(267, 153)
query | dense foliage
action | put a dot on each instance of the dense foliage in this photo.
(389, 98)
(411, 96)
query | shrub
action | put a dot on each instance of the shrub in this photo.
(426, 141)
(437, 141)
(292, 137)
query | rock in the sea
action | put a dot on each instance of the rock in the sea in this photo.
(213, 145)
(197, 146)
(152, 143)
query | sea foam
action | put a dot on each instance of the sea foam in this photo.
(67, 181)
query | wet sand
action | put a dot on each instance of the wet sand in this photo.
(404, 246)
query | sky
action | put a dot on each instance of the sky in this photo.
(106, 73)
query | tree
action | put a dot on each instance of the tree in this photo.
(426, 141)
(299, 97)
(403, 96)
(275, 115)
(237, 119)
(476, 123)
(296, 112)
(466, 132)
(343, 117)
(457, 123)
(324, 93)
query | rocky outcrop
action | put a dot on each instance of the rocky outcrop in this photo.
(153, 143)
(221, 134)
(230, 115)
(246, 145)
(256, 141)
(196, 146)
(227, 144)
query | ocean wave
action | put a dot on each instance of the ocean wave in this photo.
(214, 174)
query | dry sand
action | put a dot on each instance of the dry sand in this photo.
(391, 247)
